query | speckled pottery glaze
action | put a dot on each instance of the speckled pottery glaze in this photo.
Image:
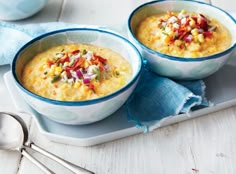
(78, 112)
(19, 9)
(175, 67)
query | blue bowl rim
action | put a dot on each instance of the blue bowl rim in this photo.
(181, 59)
(84, 102)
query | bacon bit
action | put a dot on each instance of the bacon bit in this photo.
(182, 46)
(68, 73)
(101, 59)
(208, 34)
(183, 35)
(69, 67)
(75, 52)
(50, 62)
(54, 92)
(64, 59)
(94, 61)
(56, 86)
(172, 40)
(186, 24)
(202, 23)
(91, 86)
(79, 63)
(98, 60)
(101, 66)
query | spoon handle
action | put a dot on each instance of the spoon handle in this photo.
(72, 167)
(36, 162)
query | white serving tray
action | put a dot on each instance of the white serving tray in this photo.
(220, 90)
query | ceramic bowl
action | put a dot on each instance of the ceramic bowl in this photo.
(78, 112)
(20, 9)
(178, 67)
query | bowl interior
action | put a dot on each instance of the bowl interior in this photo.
(156, 7)
(77, 35)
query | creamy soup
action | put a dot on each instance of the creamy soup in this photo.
(76, 72)
(183, 34)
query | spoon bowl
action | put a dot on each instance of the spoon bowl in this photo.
(14, 136)
(10, 139)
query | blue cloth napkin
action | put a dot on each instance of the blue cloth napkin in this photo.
(157, 97)
(13, 37)
(154, 98)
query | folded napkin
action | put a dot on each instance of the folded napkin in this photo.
(154, 98)
(157, 97)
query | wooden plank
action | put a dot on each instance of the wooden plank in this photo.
(204, 144)
(9, 160)
(93, 12)
(58, 149)
(111, 14)
(5, 102)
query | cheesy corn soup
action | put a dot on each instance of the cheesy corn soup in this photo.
(76, 72)
(183, 34)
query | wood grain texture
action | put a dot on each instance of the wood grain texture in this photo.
(4, 100)
(204, 145)
(9, 160)
(104, 13)
(93, 12)
(111, 14)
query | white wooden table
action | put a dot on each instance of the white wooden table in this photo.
(207, 143)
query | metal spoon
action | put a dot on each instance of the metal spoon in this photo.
(11, 126)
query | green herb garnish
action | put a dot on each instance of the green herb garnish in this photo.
(55, 78)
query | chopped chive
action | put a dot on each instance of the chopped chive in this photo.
(84, 52)
(55, 78)
(165, 33)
